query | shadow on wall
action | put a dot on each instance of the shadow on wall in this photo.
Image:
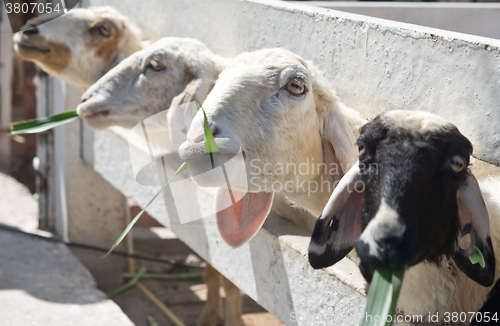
(275, 264)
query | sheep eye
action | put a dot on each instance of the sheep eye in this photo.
(362, 149)
(457, 163)
(156, 65)
(105, 30)
(295, 86)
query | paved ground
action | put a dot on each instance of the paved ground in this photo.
(42, 283)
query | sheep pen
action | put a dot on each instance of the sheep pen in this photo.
(374, 66)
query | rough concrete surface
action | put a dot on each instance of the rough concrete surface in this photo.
(467, 17)
(42, 283)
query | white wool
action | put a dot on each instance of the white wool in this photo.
(416, 121)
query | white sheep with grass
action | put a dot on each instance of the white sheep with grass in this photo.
(418, 204)
(281, 111)
(284, 115)
(80, 46)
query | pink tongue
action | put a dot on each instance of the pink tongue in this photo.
(240, 221)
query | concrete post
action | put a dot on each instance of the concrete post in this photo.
(97, 212)
(6, 66)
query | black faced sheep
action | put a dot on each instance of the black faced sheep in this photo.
(420, 202)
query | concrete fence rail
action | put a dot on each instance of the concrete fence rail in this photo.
(375, 65)
(479, 19)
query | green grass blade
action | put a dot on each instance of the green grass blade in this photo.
(195, 109)
(193, 112)
(43, 124)
(198, 104)
(383, 297)
(127, 285)
(183, 167)
(210, 145)
(397, 282)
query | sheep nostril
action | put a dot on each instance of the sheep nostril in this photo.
(388, 243)
(31, 31)
(85, 97)
(214, 130)
(196, 133)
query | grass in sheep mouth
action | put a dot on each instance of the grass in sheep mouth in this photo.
(43, 124)
(384, 292)
(210, 147)
(383, 297)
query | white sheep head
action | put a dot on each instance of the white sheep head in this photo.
(283, 113)
(79, 46)
(170, 72)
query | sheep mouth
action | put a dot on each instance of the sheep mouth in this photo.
(217, 169)
(94, 113)
(30, 47)
(403, 255)
(226, 147)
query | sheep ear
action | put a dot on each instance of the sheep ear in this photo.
(474, 220)
(180, 113)
(339, 152)
(339, 226)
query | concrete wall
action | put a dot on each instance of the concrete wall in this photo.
(481, 19)
(375, 64)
